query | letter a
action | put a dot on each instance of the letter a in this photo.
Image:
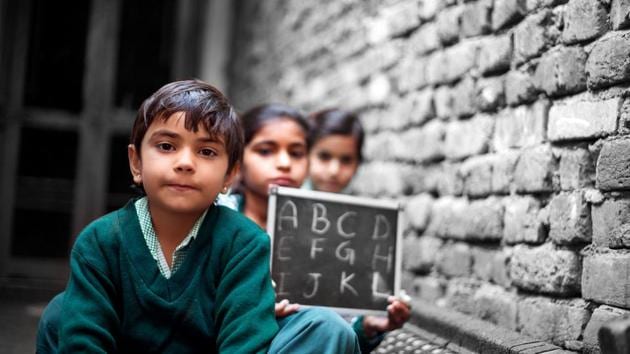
(288, 212)
(319, 217)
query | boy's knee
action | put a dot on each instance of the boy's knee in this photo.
(329, 321)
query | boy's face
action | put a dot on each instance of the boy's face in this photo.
(181, 171)
(275, 155)
(334, 160)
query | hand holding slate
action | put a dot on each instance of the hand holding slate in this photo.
(398, 312)
(284, 308)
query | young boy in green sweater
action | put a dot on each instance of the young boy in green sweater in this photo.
(171, 272)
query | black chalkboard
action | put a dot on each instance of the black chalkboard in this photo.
(334, 250)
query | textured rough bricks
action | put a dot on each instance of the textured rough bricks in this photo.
(436, 70)
(459, 295)
(520, 87)
(381, 146)
(469, 137)
(413, 145)
(425, 39)
(463, 57)
(609, 61)
(496, 305)
(600, 316)
(582, 117)
(500, 267)
(545, 269)
(399, 113)
(428, 288)
(535, 4)
(613, 165)
(577, 169)
(610, 222)
(569, 219)
(455, 260)
(378, 91)
(484, 262)
(475, 18)
(423, 257)
(418, 210)
(520, 127)
(443, 100)
(449, 181)
(490, 93)
(379, 179)
(428, 8)
(503, 171)
(583, 20)
(410, 247)
(620, 14)
(507, 12)
(522, 222)
(561, 71)
(484, 220)
(410, 73)
(448, 218)
(477, 175)
(464, 97)
(420, 180)
(400, 18)
(430, 143)
(495, 54)
(534, 35)
(558, 321)
(448, 24)
(605, 278)
(423, 106)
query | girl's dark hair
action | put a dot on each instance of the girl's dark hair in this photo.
(335, 121)
(254, 119)
(201, 103)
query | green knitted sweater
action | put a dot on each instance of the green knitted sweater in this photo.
(219, 301)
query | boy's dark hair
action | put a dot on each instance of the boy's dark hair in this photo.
(258, 116)
(335, 121)
(201, 103)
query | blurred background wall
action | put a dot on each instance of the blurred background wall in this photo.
(503, 125)
(72, 75)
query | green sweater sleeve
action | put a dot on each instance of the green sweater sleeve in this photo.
(245, 298)
(88, 319)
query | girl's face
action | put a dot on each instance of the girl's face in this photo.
(277, 154)
(334, 159)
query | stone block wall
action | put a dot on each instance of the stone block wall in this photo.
(504, 127)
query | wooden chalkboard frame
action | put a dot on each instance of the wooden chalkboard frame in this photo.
(276, 191)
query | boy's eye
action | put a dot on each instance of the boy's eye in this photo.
(165, 147)
(208, 152)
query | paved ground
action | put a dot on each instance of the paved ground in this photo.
(18, 325)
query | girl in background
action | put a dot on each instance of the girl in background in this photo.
(336, 152)
(335, 155)
(277, 142)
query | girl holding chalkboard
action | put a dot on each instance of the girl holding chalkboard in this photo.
(276, 152)
(277, 143)
(335, 155)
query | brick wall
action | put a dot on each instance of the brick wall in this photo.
(503, 125)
